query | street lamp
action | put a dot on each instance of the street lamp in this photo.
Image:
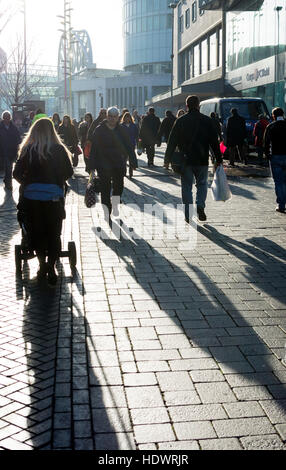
(172, 5)
(277, 9)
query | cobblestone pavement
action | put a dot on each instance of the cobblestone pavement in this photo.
(150, 343)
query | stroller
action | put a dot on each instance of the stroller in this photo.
(25, 250)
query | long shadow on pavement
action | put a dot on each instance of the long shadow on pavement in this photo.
(216, 324)
(63, 361)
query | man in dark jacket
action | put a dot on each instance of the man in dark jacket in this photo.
(275, 151)
(165, 128)
(258, 132)
(235, 136)
(149, 134)
(193, 133)
(9, 140)
(110, 149)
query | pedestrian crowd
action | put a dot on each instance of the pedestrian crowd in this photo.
(47, 153)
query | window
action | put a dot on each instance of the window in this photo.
(187, 18)
(194, 12)
(181, 24)
(196, 70)
(204, 56)
(213, 51)
(201, 10)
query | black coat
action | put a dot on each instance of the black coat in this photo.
(166, 127)
(235, 131)
(69, 136)
(54, 170)
(195, 147)
(9, 141)
(111, 149)
(149, 130)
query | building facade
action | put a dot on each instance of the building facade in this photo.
(256, 50)
(198, 54)
(147, 30)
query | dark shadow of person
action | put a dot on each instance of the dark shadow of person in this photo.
(72, 404)
(219, 325)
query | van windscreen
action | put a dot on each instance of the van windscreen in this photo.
(247, 109)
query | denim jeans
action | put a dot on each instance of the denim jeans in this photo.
(278, 167)
(198, 174)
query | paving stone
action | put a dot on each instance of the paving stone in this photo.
(275, 410)
(215, 392)
(197, 413)
(181, 398)
(194, 430)
(243, 427)
(207, 376)
(258, 392)
(172, 381)
(149, 416)
(244, 409)
(144, 397)
(179, 445)
(111, 420)
(115, 441)
(269, 442)
(281, 428)
(154, 433)
(220, 444)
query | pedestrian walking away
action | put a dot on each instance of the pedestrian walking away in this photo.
(56, 120)
(235, 137)
(82, 134)
(258, 132)
(101, 116)
(194, 133)
(110, 150)
(132, 130)
(165, 129)
(275, 151)
(9, 141)
(42, 168)
(69, 136)
(148, 134)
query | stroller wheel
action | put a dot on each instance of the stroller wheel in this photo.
(72, 254)
(18, 259)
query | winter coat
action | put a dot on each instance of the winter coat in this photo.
(69, 136)
(54, 170)
(195, 148)
(166, 127)
(83, 129)
(274, 138)
(235, 131)
(132, 131)
(110, 149)
(258, 131)
(149, 130)
(9, 141)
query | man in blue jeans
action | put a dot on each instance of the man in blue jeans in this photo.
(275, 151)
(194, 133)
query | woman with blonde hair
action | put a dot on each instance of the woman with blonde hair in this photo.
(42, 168)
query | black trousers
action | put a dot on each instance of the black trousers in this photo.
(111, 184)
(150, 150)
(43, 222)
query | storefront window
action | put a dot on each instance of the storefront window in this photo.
(196, 60)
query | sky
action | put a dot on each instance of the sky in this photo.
(101, 18)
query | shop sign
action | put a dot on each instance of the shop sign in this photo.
(250, 76)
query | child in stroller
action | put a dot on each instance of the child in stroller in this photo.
(42, 168)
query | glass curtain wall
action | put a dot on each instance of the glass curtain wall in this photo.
(257, 35)
(147, 36)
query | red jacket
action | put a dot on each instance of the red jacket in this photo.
(258, 132)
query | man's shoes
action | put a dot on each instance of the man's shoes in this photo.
(201, 214)
(52, 277)
(280, 209)
(42, 272)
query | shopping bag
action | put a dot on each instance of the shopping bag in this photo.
(222, 148)
(220, 188)
(93, 188)
(87, 148)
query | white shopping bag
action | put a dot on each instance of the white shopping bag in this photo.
(220, 188)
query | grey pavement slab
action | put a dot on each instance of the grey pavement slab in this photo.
(151, 344)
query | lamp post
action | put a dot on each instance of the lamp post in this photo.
(277, 9)
(67, 36)
(25, 49)
(172, 5)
